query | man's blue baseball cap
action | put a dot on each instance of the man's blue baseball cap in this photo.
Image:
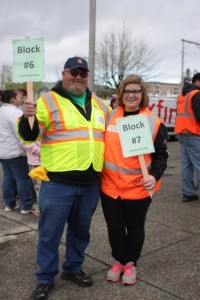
(76, 62)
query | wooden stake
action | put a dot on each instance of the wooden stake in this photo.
(30, 98)
(144, 171)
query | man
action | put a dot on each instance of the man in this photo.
(71, 124)
(187, 125)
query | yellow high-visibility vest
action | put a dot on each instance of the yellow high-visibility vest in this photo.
(68, 141)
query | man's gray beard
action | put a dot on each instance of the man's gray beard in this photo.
(77, 91)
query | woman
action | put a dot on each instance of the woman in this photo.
(12, 155)
(113, 101)
(125, 194)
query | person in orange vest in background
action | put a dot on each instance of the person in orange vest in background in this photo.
(187, 125)
(124, 194)
(69, 121)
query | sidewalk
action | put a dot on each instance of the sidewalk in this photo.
(169, 268)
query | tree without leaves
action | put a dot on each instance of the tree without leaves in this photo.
(7, 81)
(6, 77)
(119, 54)
(188, 75)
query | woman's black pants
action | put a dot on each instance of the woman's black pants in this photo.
(126, 226)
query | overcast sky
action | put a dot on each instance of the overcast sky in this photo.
(65, 26)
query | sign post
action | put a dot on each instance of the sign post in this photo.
(28, 64)
(136, 139)
(29, 87)
(144, 171)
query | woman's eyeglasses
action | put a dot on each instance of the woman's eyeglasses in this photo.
(134, 92)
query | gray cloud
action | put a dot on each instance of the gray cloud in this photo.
(65, 24)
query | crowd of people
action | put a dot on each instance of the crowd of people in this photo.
(75, 149)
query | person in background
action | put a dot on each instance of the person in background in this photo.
(43, 90)
(12, 155)
(33, 159)
(23, 93)
(70, 122)
(124, 193)
(187, 125)
(113, 101)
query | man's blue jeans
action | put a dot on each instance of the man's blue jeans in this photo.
(190, 162)
(15, 176)
(60, 204)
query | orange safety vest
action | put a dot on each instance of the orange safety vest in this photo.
(122, 176)
(185, 119)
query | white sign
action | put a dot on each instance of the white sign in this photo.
(28, 60)
(135, 135)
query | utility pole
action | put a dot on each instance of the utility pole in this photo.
(182, 62)
(92, 27)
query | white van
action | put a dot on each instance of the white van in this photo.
(165, 108)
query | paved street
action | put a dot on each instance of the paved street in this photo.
(169, 268)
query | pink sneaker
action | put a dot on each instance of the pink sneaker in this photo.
(115, 272)
(129, 276)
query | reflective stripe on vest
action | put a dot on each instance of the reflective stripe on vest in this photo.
(55, 113)
(186, 113)
(73, 135)
(101, 104)
(120, 170)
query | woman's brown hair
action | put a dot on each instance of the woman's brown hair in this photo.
(133, 79)
(7, 95)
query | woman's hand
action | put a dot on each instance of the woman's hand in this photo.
(150, 183)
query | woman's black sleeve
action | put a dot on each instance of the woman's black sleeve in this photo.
(160, 156)
(196, 106)
(25, 130)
